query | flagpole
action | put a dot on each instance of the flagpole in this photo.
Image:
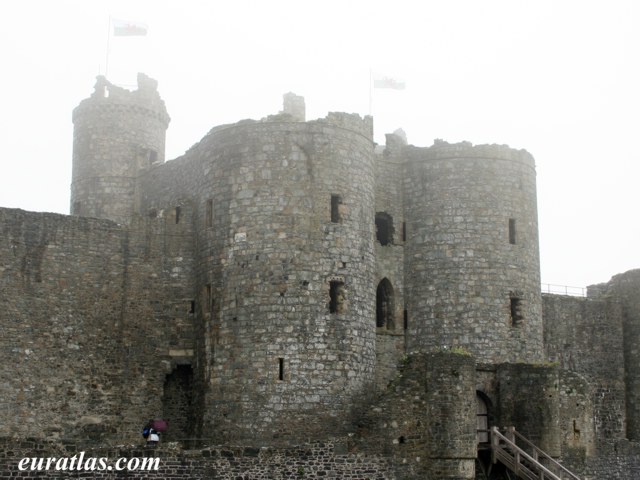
(106, 68)
(370, 91)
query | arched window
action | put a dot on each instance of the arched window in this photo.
(384, 305)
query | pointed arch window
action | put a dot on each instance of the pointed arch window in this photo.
(385, 305)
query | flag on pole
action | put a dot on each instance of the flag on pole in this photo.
(388, 82)
(122, 28)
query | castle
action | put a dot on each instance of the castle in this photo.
(287, 281)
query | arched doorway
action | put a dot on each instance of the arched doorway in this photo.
(385, 305)
(482, 419)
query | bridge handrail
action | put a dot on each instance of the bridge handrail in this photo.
(563, 290)
(495, 433)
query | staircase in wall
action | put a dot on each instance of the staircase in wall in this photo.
(524, 459)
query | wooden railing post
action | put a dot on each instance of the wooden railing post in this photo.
(495, 444)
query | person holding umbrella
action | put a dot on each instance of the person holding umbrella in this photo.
(152, 431)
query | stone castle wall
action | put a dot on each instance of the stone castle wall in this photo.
(95, 317)
(585, 335)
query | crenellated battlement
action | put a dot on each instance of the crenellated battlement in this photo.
(144, 100)
(444, 150)
(350, 121)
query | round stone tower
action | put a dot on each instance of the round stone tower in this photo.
(287, 275)
(117, 132)
(472, 265)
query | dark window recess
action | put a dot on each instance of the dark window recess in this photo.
(178, 212)
(337, 295)
(516, 310)
(384, 305)
(336, 201)
(192, 308)
(153, 156)
(404, 231)
(384, 228)
(405, 319)
(208, 214)
(281, 369)
(512, 231)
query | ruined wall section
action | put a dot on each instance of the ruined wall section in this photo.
(88, 327)
(280, 362)
(621, 329)
(117, 133)
(389, 254)
(471, 257)
(425, 419)
(624, 289)
(550, 406)
(585, 335)
(60, 303)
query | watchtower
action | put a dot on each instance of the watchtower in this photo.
(472, 262)
(117, 133)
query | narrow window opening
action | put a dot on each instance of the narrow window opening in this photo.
(516, 310)
(404, 231)
(405, 319)
(281, 369)
(512, 231)
(178, 212)
(153, 156)
(207, 296)
(336, 201)
(384, 228)
(401, 440)
(208, 218)
(337, 297)
(192, 308)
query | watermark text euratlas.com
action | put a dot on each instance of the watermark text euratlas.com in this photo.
(82, 463)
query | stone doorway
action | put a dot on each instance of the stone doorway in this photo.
(177, 405)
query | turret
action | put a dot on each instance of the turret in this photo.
(287, 269)
(117, 133)
(472, 265)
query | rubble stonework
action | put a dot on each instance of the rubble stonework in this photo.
(299, 302)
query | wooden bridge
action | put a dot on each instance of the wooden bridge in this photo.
(524, 459)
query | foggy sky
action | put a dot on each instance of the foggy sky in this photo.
(559, 79)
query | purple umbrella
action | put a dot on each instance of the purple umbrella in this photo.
(159, 425)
